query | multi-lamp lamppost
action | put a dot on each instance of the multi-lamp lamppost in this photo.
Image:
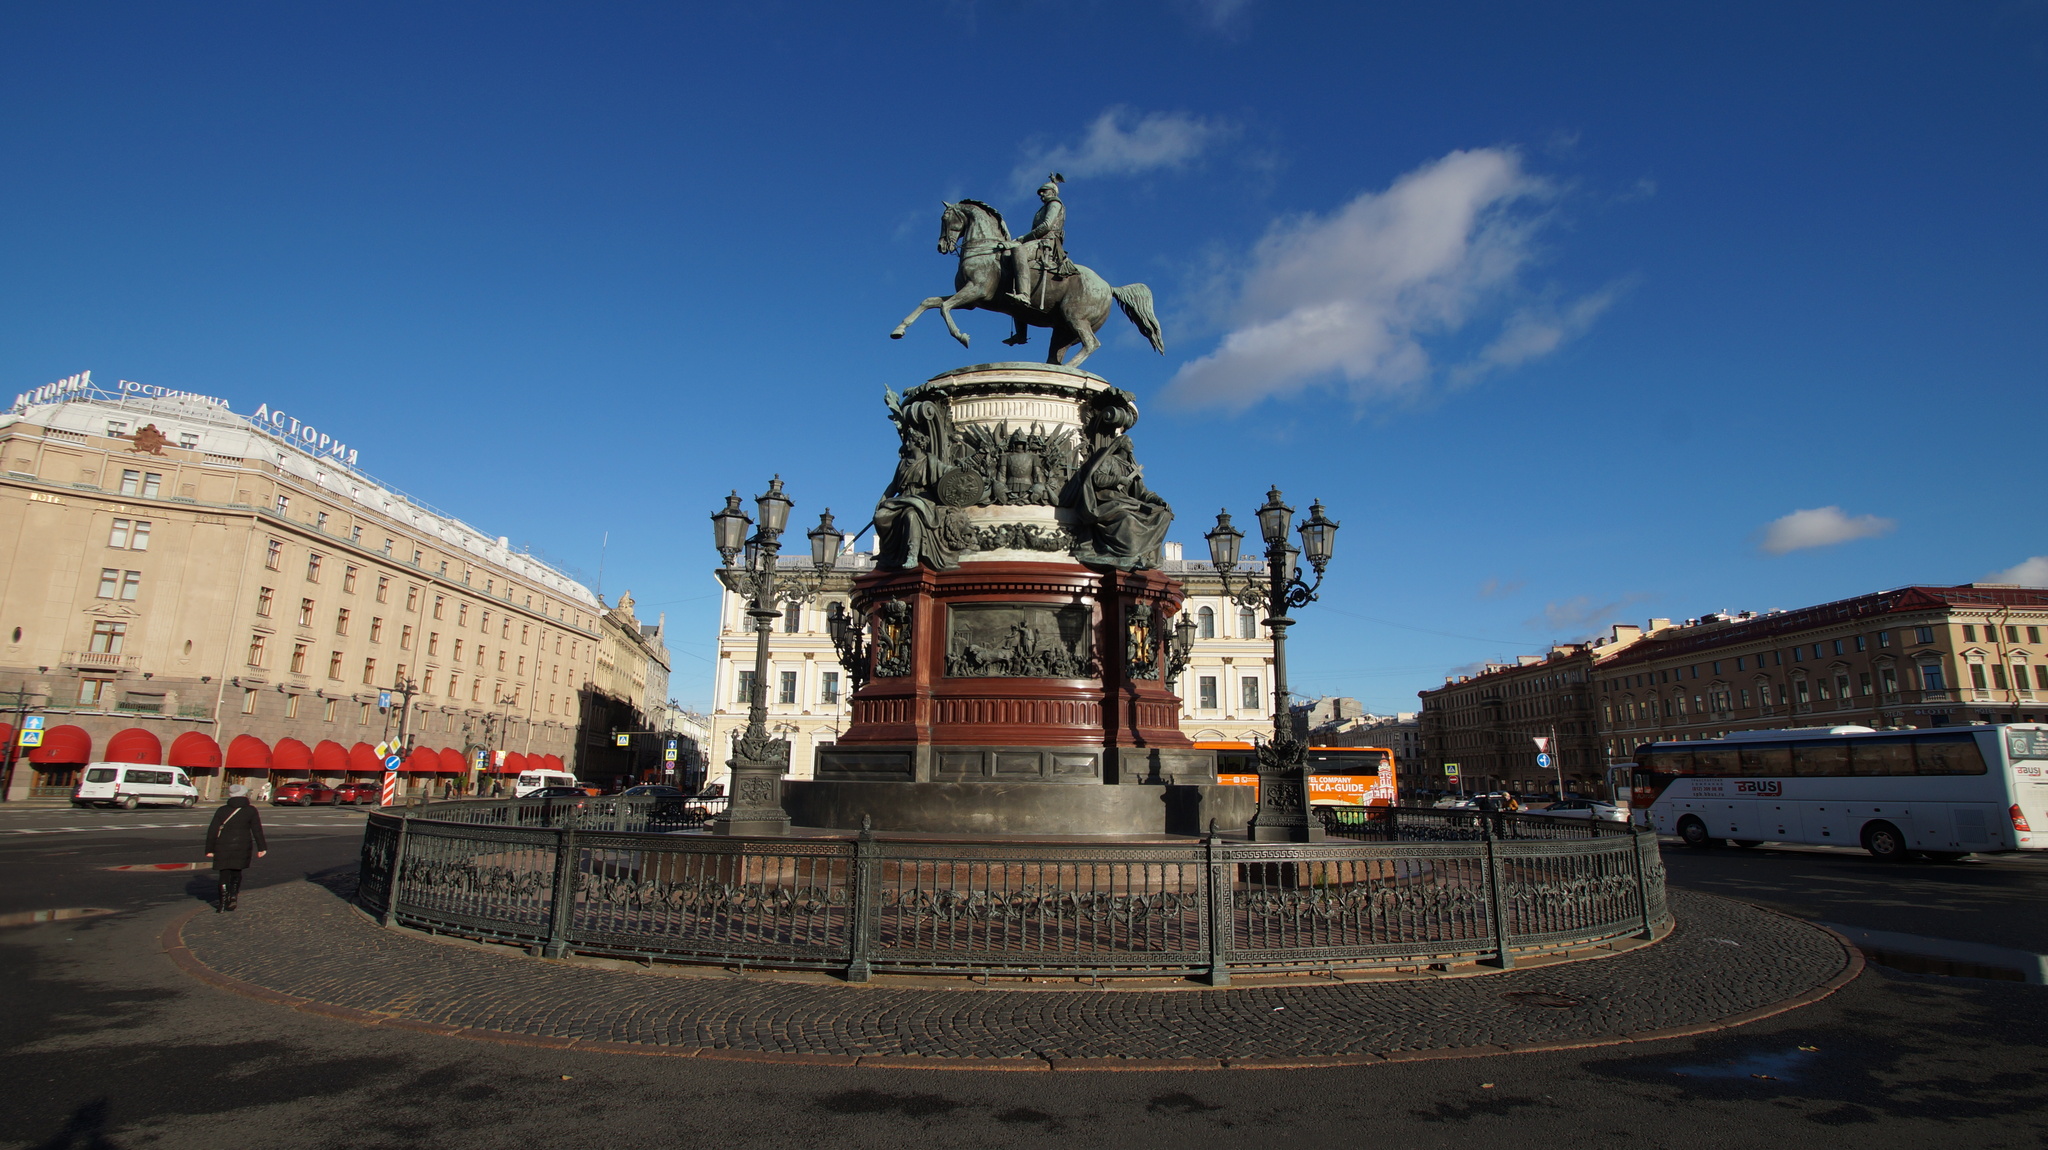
(1283, 814)
(759, 759)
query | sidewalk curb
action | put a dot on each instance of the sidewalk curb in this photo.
(173, 940)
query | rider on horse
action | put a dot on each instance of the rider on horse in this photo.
(1043, 249)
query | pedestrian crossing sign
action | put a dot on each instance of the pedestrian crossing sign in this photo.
(31, 737)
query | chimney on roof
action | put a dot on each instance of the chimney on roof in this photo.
(1624, 633)
(1657, 625)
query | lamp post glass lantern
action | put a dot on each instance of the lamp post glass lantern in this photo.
(1283, 813)
(759, 759)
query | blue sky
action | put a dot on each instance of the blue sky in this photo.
(1571, 314)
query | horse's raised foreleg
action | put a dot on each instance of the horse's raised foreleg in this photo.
(968, 296)
(929, 303)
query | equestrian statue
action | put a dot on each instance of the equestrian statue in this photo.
(1030, 279)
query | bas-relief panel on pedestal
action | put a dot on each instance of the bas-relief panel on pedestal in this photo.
(1019, 640)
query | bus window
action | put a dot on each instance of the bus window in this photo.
(1715, 762)
(1767, 761)
(1949, 755)
(1668, 762)
(1891, 757)
(1821, 758)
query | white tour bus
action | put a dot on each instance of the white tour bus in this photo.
(1944, 792)
(131, 786)
(531, 781)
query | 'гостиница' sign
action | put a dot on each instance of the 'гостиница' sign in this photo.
(303, 435)
(152, 391)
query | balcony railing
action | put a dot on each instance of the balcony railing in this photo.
(102, 660)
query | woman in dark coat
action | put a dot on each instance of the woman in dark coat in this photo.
(237, 829)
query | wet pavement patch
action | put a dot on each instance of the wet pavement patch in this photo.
(882, 1102)
(62, 914)
(1779, 1066)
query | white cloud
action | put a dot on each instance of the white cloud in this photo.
(2032, 573)
(1821, 527)
(1353, 296)
(1121, 143)
(1581, 611)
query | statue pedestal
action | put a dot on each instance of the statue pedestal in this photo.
(1020, 640)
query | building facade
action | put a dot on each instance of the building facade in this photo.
(1488, 723)
(1918, 656)
(176, 568)
(629, 697)
(1226, 692)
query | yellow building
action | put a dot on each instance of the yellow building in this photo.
(175, 568)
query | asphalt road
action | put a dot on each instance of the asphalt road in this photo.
(103, 1043)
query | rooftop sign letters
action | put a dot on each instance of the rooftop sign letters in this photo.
(52, 392)
(303, 435)
(152, 391)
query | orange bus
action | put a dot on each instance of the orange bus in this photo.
(1337, 776)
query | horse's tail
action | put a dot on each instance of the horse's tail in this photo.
(1136, 300)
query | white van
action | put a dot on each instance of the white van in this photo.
(128, 786)
(531, 781)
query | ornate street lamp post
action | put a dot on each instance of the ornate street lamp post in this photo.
(1283, 814)
(759, 759)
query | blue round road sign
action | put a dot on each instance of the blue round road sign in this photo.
(1543, 760)
(391, 764)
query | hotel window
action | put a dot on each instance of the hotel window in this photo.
(433, 642)
(404, 634)
(504, 627)
(363, 713)
(355, 534)
(1977, 676)
(264, 598)
(107, 636)
(298, 658)
(334, 665)
(94, 691)
(1250, 687)
(284, 504)
(328, 716)
(256, 651)
(427, 683)
(305, 612)
(274, 559)
(522, 667)
(788, 692)
(369, 671)
(475, 690)
(2033, 634)
(458, 650)
(1970, 632)
(440, 606)
(501, 659)
(1884, 639)
(828, 688)
(1863, 682)
(1247, 624)
(313, 568)
(1997, 675)
(291, 706)
(348, 579)
(117, 429)
(1924, 635)
(1932, 678)
(152, 483)
(1745, 696)
(485, 622)
(745, 688)
(110, 582)
(249, 701)
(1206, 691)
(131, 483)
(1205, 623)
(188, 440)
(462, 615)
(1842, 686)
(793, 619)
(1888, 679)
(320, 521)
(341, 621)
(2012, 634)
(2041, 676)
(383, 589)
(454, 685)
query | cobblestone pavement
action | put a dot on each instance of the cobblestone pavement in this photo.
(1725, 962)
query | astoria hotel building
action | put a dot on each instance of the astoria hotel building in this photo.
(228, 594)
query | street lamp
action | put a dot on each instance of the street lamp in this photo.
(1283, 814)
(759, 759)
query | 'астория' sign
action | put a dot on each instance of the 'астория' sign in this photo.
(303, 435)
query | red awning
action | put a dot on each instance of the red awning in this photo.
(363, 757)
(195, 750)
(424, 761)
(134, 745)
(515, 763)
(555, 763)
(248, 753)
(330, 758)
(62, 746)
(6, 732)
(452, 762)
(291, 756)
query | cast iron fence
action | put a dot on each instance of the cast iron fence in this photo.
(609, 877)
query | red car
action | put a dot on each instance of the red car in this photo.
(353, 793)
(301, 794)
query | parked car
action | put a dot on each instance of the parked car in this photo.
(126, 786)
(354, 793)
(1583, 809)
(300, 793)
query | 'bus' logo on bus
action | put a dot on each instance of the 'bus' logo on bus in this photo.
(1759, 787)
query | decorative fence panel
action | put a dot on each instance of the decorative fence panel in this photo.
(1400, 887)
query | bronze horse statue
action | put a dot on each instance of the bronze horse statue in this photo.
(1073, 306)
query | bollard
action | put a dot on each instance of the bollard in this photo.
(1643, 880)
(1499, 906)
(562, 900)
(390, 915)
(862, 905)
(1216, 875)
